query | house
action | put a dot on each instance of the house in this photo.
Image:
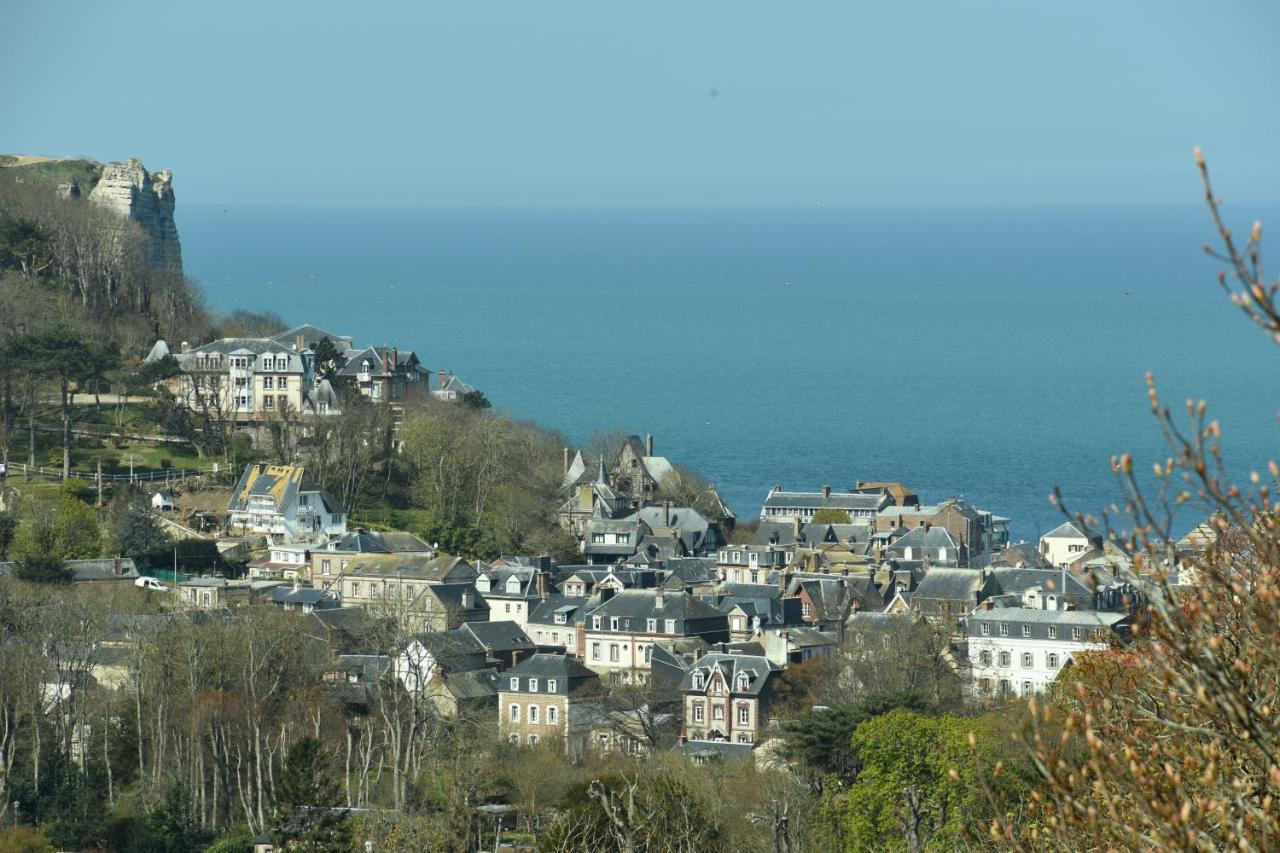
(163, 502)
(277, 500)
(726, 698)
(638, 472)
(419, 603)
(976, 530)
(385, 374)
(1040, 589)
(785, 506)
(737, 563)
(212, 593)
(785, 645)
(470, 692)
(377, 579)
(504, 642)
(1019, 651)
(588, 498)
(553, 623)
(547, 698)
(935, 546)
(303, 598)
(1067, 543)
(754, 608)
(108, 570)
(946, 596)
(248, 380)
(282, 562)
(513, 591)
(305, 339)
(431, 654)
(618, 634)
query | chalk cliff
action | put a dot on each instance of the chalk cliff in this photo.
(147, 198)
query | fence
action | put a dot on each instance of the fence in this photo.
(148, 475)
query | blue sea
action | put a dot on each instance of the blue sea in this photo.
(983, 353)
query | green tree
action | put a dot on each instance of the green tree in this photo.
(475, 400)
(919, 784)
(138, 533)
(66, 529)
(821, 740)
(832, 515)
(44, 568)
(329, 359)
(308, 802)
(61, 354)
(8, 528)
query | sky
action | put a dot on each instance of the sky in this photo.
(716, 103)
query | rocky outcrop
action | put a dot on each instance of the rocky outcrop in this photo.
(146, 198)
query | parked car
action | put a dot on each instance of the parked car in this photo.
(150, 583)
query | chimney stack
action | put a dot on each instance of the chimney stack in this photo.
(826, 491)
(384, 361)
(648, 444)
(566, 460)
(466, 599)
(186, 347)
(298, 343)
(395, 358)
(443, 379)
(659, 599)
(115, 566)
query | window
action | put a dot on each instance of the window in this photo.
(560, 618)
(1004, 687)
(533, 713)
(737, 557)
(1075, 633)
(1004, 630)
(613, 623)
(355, 589)
(697, 681)
(698, 713)
(552, 711)
(283, 384)
(1026, 688)
(1004, 658)
(984, 658)
(1026, 630)
(266, 382)
(515, 713)
(1051, 660)
(595, 623)
(1027, 660)
(613, 652)
(986, 630)
(744, 738)
(506, 607)
(597, 538)
(325, 566)
(744, 714)
(533, 685)
(671, 626)
(533, 740)
(514, 739)
(984, 684)
(551, 685)
(555, 638)
(1053, 632)
(595, 651)
(623, 539)
(743, 682)
(651, 625)
(717, 712)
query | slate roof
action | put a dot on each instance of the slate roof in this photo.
(638, 605)
(1086, 618)
(303, 596)
(158, 350)
(544, 612)
(256, 347)
(783, 533)
(311, 337)
(950, 585)
(757, 668)
(408, 566)
(88, 571)
(473, 685)
(502, 636)
(568, 673)
(928, 538)
(1002, 581)
(361, 541)
(817, 500)
(1067, 530)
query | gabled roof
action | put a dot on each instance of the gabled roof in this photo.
(544, 612)
(278, 484)
(1002, 581)
(778, 499)
(409, 567)
(158, 350)
(1067, 530)
(567, 671)
(950, 585)
(755, 668)
(361, 541)
(311, 337)
(925, 537)
(503, 636)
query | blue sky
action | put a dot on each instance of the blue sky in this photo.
(708, 103)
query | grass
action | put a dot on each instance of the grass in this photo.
(53, 171)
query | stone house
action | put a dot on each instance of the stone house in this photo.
(617, 636)
(726, 698)
(946, 596)
(385, 374)
(549, 699)
(976, 530)
(553, 623)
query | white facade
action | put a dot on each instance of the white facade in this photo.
(1020, 651)
(1063, 545)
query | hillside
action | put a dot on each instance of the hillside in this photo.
(53, 170)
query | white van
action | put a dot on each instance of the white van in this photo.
(150, 583)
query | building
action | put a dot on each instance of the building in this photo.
(976, 530)
(618, 635)
(1067, 543)
(934, 546)
(243, 379)
(945, 597)
(385, 374)
(547, 699)
(553, 623)
(726, 698)
(1017, 651)
(277, 501)
(784, 506)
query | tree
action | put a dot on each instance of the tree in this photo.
(308, 802)
(138, 533)
(831, 515)
(1173, 743)
(60, 353)
(66, 529)
(821, 740)
(329, 360)
(44, 568)
(475, 399)
(8, 528)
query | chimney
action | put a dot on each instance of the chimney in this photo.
(541, 578)
(443, 379)
(666, 513)
(566, 460)
(777, 487)
(395, 357)
(826, 491)
(384, 361)
(299, 343)
(659, 599)
(796, 526)
(648, 444)
(116, 568)
(466, 599)
(186, 347)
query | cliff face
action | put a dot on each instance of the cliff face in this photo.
(147, 198)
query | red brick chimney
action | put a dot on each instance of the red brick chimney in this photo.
(395, 358)
(443, 379)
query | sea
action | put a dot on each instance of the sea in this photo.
(989, 354)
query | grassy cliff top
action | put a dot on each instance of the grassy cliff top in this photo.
(52, 170)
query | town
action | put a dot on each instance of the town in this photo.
(662, 624)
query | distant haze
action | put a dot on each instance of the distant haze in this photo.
(732, 103)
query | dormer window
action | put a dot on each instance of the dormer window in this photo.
(551, 685)
(560, 618)
(533, 685)
(744, 681)
(515, 684)
(697, 681)
(595, 623)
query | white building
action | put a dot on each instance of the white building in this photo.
(1065, 544)
(1020, 651)
(275, 500)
